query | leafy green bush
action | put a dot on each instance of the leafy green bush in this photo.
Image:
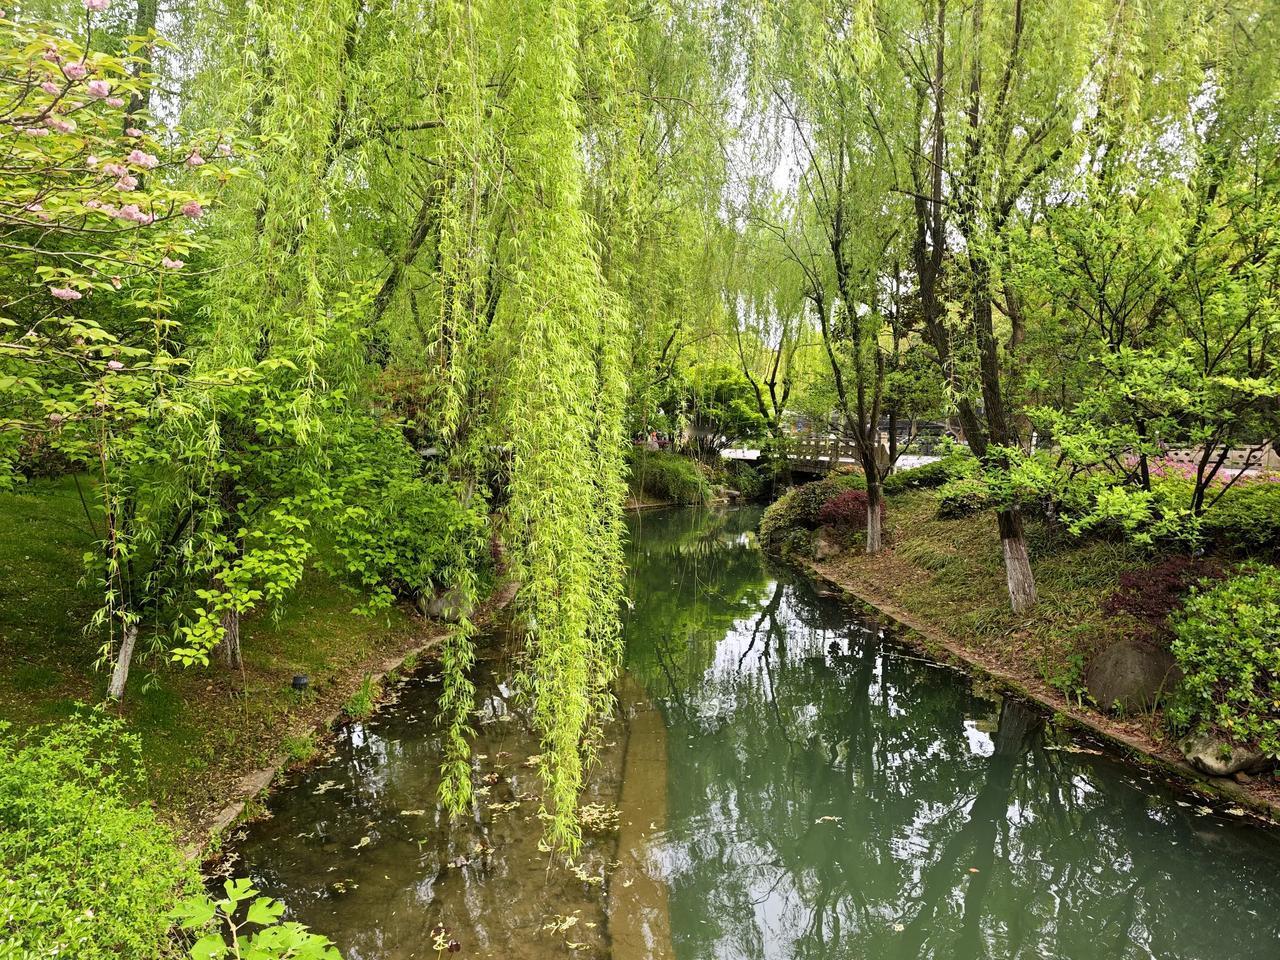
(260, 935)
(1227, 641)
(86, 874)
(1247, 517)
(668, 476)
(799, 508)
(956, 464)
(963, 497)
(747, 480)
(396, 531)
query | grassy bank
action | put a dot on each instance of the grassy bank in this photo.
(202, 729)
(945, 579)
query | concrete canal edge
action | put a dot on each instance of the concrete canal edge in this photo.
(936, 643)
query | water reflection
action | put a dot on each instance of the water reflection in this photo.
(791, 782)
(830, 795)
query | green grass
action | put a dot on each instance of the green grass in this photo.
(951, 573)
(201, 728)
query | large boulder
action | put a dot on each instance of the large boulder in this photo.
(1132, 676)
(1215, 756)
(826, 544)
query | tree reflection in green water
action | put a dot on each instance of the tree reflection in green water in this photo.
(831, 795)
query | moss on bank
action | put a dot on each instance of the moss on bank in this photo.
(201, 729)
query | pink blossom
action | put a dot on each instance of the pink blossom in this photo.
(114, 169)
(93, 204)
(117, 282)
(224, 149)
(195, 160)
(91, 161)
(98, 88)
(96, 6)
(44, 216)
(115, 102)
(51, 88)
(127, 183)
(145, 160)
(56, 418)
(62, 126)
(114, 365)
(52, 55)
(36, 131)
(129, 211)
(35, 206)
(76, 71)
(169, 264)
(133, 132)
(65, 293)
(193, 210)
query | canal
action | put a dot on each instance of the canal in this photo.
(783, 779)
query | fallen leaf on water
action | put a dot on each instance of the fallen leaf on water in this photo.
(412, 813)
(973, 870)
(898, 928)
(829, 820)
(362, 842)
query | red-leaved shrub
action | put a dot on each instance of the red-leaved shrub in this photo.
(847, 511)
(1151, 594)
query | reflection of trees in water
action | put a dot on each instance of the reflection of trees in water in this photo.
(1023, 852)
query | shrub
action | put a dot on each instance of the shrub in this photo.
(963, 497)
(956, 464)
(668, 476)
(798, 508)
(847, 511)
(1150, 595)
(1227, 641)
(87, 874)
(747, 480)
(1247, 517)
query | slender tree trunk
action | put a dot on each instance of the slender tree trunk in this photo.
(124, 657)
(874, 534)
(1017, 562)
(229, 647)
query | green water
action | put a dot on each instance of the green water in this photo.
(789, 782)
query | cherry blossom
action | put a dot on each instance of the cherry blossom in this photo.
(65, 293)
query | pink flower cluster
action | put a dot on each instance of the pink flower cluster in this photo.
(65, 293)
(142, 159)
(170, 264)
(96, 6)
(99, 89)
(76, 71)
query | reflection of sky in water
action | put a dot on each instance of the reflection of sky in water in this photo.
(832, 795)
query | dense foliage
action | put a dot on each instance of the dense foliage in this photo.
(1227, 641)
(668, 477)
(86, 873)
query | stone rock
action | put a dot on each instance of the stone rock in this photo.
(1131, 675)
(825, 545)
(446, 605)
(1215, 756)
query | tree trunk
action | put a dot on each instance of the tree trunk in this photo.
(229, 646)
(1017, 563)
(120, 673)
(874, 535)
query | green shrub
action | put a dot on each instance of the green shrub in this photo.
(1247, 517)
(668, 477)
(963, 497)
(1227, 641)
(956, 464)
(799, 508)
(85, 873)
(747, 480)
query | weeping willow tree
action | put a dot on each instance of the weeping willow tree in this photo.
(465, 212)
